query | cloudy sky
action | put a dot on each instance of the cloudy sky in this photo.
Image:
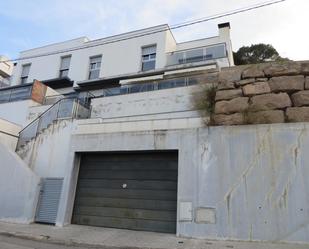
(26, 24)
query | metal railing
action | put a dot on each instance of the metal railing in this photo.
(152, 86)
(66, 108)
(52, 99)
(196, 55)
(15, 93)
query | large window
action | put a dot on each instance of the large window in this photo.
(25, 74)
(149, 57)
(94, 67)
(64, 66)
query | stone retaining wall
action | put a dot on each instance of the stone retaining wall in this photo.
(262, 94)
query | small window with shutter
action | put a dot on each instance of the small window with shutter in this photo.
(64, 66)
(149, 57)
(25, 73)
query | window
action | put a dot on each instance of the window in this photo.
(215, 52)
(94, 67)
(149, 58)
(25, 74)
(64, 66)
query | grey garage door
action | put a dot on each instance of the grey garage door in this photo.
(128, 190)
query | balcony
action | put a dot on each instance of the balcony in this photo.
(34, 91)
(12, 94)
(196, 55)
(153, 85)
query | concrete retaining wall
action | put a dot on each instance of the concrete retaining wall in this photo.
(247, 182)
(19, 188)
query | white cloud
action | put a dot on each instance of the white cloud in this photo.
(282, 25)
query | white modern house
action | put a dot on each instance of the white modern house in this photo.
(109, 135)
(105, 133)
(142, 55)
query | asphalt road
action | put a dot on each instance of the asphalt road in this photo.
(16, 243)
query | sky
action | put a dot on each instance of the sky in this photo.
(26, 24)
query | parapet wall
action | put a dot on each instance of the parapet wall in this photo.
(262, 94)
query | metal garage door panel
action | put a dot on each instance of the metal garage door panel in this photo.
(128, 190)
(49, 200)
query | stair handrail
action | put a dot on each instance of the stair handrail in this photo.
(43, 113)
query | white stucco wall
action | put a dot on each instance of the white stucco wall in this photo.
(168, 103)
(19, 188)
(35, 111)
(119, 57)
(16, 112)
(123, 57)
(8, 133)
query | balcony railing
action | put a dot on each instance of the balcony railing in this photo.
(153, 86)
(82, 96)
(15, 93)
(196, 55)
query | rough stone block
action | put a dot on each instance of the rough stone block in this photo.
(231, 74)
(256, 88)
(226, 85)
(269, 102)
(265, 117)
(287, 83)
(232, 119)
(305, 68)
(253, 72)
(244, 82)
(300, 98)
(228, 94)
(239, 104)
(288, 68)
(298, 114)
(307, 83)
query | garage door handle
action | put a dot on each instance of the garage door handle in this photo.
(124, 185)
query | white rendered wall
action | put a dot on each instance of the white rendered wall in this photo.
(16, 112)
(166, 103)
(7, 129)
(19, 188)
(118, 58)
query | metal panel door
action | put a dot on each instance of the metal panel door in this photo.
(49, 200)
(128, 190)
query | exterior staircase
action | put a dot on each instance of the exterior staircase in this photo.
(66, 108)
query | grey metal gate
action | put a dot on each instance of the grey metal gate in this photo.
(49, 198)
(135, 190)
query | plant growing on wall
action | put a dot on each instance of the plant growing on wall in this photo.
(204, 102)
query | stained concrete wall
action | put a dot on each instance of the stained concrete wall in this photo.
(251, 181)
(168, 103)
(19, 188)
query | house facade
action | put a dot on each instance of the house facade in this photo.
(114, 61)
